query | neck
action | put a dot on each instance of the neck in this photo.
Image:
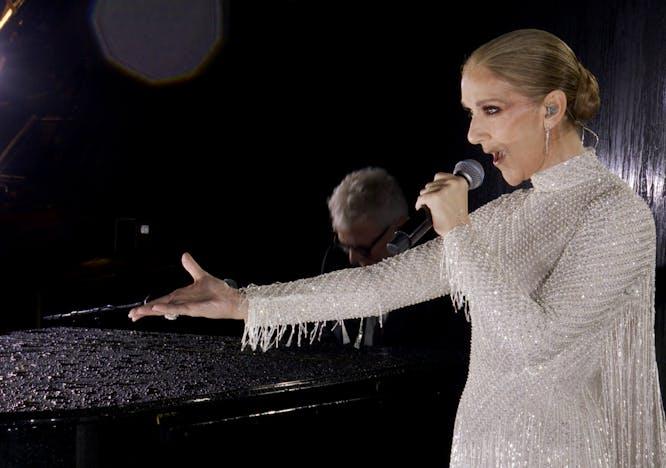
(565, 144)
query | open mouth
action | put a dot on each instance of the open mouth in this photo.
(498, 157)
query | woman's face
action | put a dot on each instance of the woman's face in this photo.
(507, 124)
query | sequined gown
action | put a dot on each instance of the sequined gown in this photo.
(559, 283)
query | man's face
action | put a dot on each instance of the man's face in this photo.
(364, 242)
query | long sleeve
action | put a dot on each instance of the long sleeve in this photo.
(589, 321)
(611, 250)
(412, 277)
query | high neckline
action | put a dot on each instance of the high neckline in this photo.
(569, 173)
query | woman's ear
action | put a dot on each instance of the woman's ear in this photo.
(555, 108)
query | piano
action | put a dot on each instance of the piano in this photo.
(76, 396)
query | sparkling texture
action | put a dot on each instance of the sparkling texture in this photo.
(57, 372)
(558, 281)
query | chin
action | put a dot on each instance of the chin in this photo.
(511, 178)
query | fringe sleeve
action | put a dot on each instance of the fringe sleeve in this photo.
(595, 308)
(303, 306)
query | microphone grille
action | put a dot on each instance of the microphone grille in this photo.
(473, 171)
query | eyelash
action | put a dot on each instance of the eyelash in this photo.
(488, 110)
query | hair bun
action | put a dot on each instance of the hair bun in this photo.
(587, 102)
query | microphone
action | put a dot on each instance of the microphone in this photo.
(472, 171)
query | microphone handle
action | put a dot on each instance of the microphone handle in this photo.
(422, 229)
(403, 240)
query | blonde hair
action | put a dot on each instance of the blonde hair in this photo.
(537, 62)
(367, 194)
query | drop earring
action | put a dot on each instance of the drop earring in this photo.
(550, 111)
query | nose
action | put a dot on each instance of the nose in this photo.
(476, 132)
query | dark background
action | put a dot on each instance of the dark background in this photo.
(235, 163)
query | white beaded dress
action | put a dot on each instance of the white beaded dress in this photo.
(558, 281)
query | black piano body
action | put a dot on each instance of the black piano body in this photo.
(106, 397)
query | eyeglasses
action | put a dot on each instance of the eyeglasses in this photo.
(362, 250)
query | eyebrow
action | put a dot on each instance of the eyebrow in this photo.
(483, 102)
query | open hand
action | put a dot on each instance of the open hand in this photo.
(207, 296)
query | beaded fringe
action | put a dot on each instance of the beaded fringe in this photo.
(268, 336)
(631, 400)
(452, 275)
(630, 386)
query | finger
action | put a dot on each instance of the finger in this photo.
(191, 293)
(177, 309)
(143, 311)
(433, 187)
(146, 309)
(421, 201)
(444, 176)
(178, 296)
(192, 267)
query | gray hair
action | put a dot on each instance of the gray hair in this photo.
(367, 194)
